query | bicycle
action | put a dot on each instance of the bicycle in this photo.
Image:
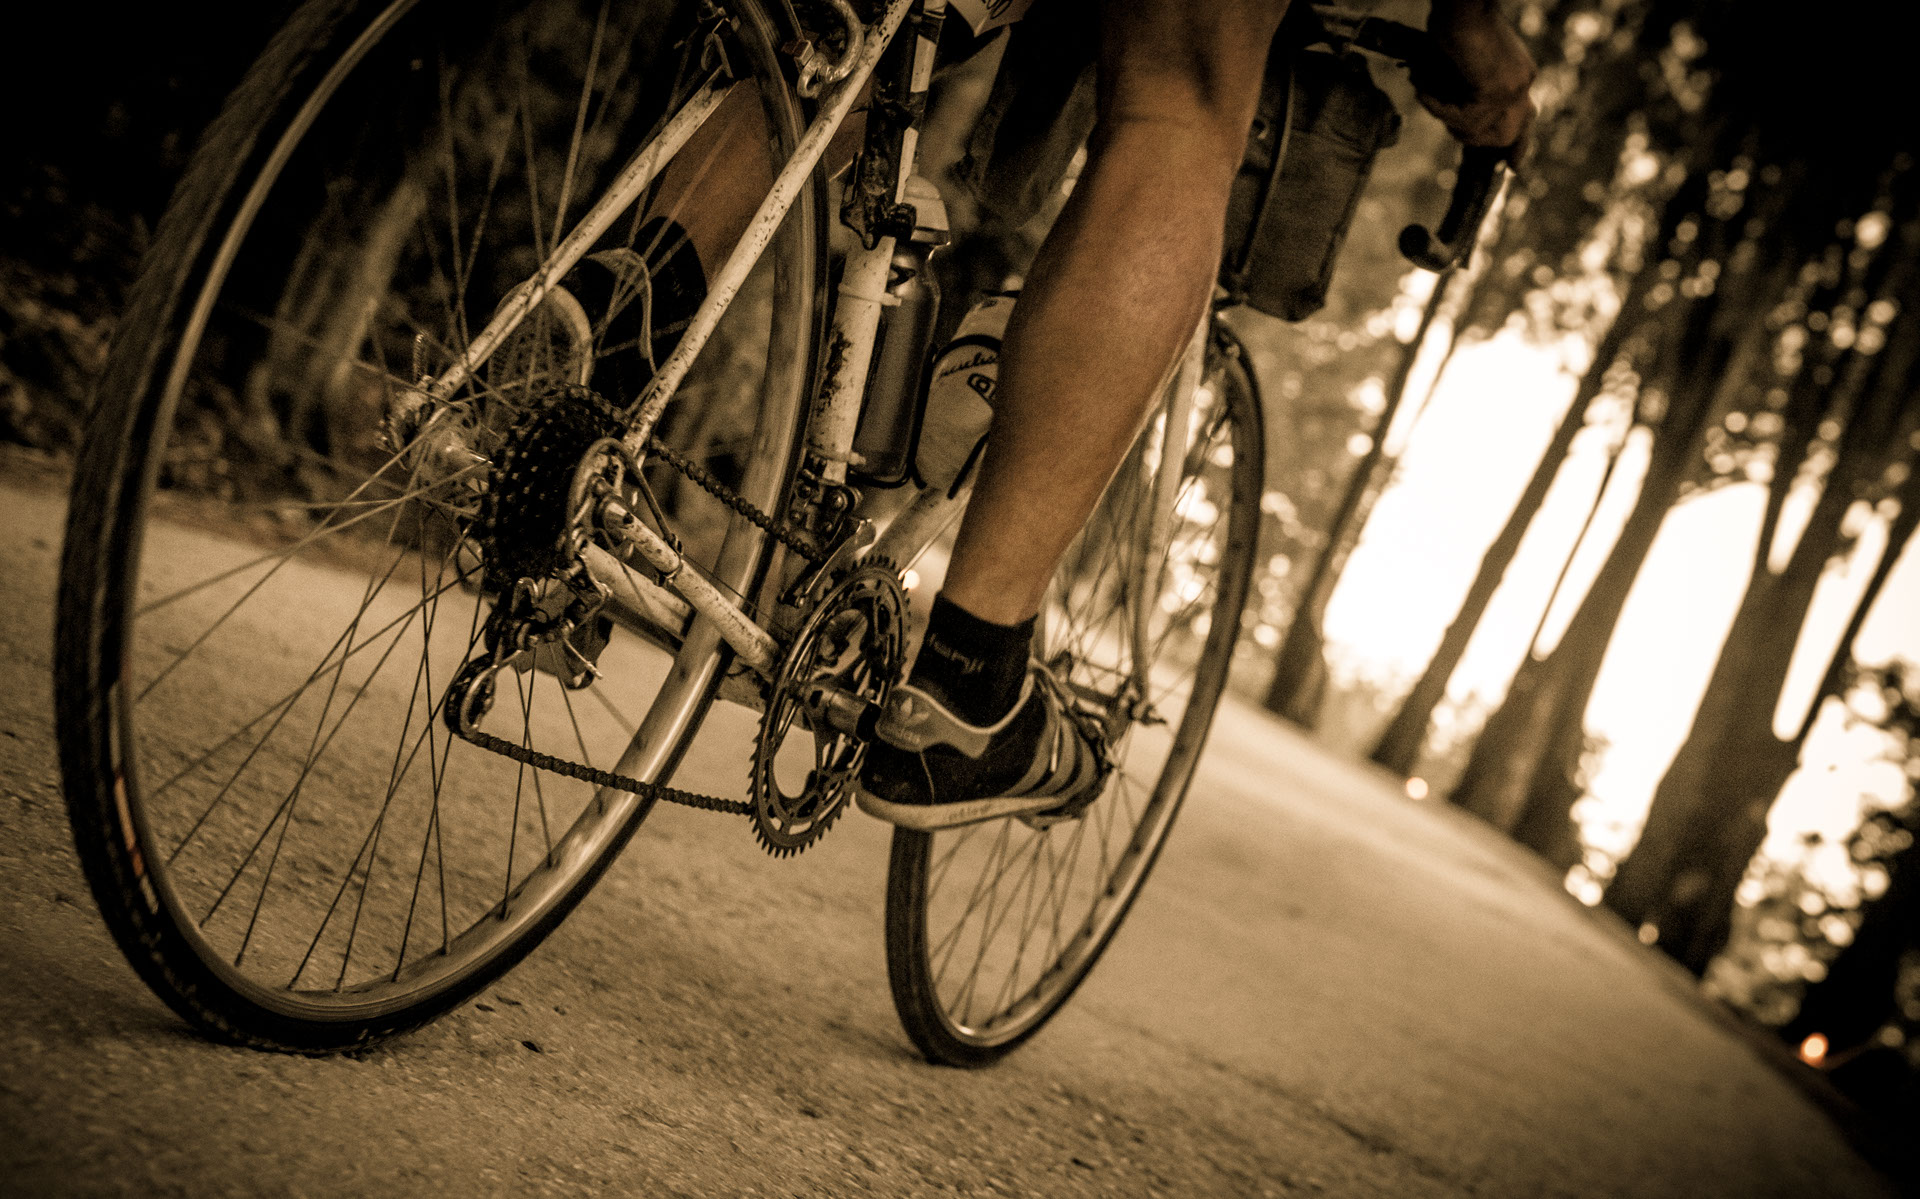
(345, 476)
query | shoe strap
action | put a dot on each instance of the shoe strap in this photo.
(1068, 759)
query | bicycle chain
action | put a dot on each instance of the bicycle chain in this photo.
(787, 536)
(606, 778)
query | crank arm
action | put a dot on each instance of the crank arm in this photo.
(840, 710)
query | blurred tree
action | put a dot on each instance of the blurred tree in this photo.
(107, 100)
(1866, 1003)
(1758, 213)
(1709, 814)
(1399, 745)
(1859, 994)
(1682, 357)
(1844, 425)
(1300, 670)
(1461, 308)
(1760, 644)
(1573, 238)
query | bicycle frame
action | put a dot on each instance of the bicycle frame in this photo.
(834, 410)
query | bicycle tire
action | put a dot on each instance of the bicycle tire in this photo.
(262, 190)
(922, 935)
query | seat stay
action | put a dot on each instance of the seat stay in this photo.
(835, 409)
(685, 590)
(627, 188)
(725, 284)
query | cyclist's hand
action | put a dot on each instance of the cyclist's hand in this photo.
(1497, 71)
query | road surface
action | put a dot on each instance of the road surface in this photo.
(1327, 989)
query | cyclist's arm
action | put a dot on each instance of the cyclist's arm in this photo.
(1479, 41)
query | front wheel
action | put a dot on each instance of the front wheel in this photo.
(269, 583)
(991, 927)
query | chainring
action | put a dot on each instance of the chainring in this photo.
(855, 640)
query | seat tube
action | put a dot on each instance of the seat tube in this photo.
(875, 209)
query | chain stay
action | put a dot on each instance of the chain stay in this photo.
(786, 534)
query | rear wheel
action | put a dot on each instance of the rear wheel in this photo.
(991, 927)
(264, 597)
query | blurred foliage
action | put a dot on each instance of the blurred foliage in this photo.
(1794, 918)
(1826, 948)
(117, 92)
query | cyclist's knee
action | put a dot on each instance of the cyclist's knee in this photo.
(1192, 67)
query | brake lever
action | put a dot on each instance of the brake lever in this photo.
(1480, 173)
(1476, 182)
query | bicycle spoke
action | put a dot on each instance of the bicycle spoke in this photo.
(317, 749)
(573, 719)
(434, 768)
(579, 124)
(1029, 882)
(282, 556)
(294, 786)
(332, 688)
(422, 681)
(539, 794)
(990, 925)
(944, 949)
(285, 702)
(456, 309)
(955, 841)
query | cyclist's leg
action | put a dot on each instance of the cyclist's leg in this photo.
(1111, 302)
(1116, 290)
(722, 164)
(701, 203)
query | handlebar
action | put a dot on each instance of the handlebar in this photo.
(1481, 170)
(1475, 184)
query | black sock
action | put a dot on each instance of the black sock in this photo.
(976, 667)
(677, 284)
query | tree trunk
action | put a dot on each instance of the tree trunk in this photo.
(1550, 693)
(1495, 776)
(1399, 746)
(1679, 871)
(1730, 815)
(1300, 672)
(1722, 344)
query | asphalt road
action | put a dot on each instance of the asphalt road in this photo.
(1327, 990)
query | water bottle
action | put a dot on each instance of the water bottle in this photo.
(884, 440)
(960, 394)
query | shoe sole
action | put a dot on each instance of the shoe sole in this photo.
(928, 818)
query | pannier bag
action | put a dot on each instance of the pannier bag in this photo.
(1320, 122)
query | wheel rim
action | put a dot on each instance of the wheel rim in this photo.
(328, 850)
(1012, 916)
